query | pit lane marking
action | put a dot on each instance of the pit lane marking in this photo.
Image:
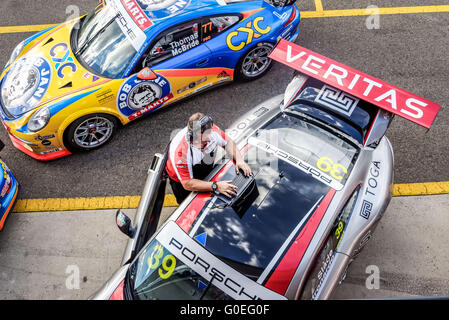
(28, 28)
(367, 12)
(319, 13)
(132, 202)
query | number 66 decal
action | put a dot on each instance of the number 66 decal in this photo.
(336, 170)
(168, 262)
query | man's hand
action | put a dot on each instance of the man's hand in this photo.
(242, 165)
(226, 188)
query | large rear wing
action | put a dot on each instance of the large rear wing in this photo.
(358, 84)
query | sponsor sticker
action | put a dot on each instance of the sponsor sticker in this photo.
(137, 97)
(42, 138)
(137, 14)
(60, 56)
(357, 84)
(26, 83)
(253, 30)
(161, 9)
(51, 151)
(105, 97)
(298, 163)
(192, 85)
(371, 190)
(130, 22)
(337, 100)
(195, 256)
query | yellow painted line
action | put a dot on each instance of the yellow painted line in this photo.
(319, 13)
(77, 204)
(30, 28)
(318, 5)
(132, 202)
(421, 189)
(381, 11)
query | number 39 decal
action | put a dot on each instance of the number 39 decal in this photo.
(336, 170)
(168, 262)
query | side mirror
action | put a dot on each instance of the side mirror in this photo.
(124, 224)
(146, 74)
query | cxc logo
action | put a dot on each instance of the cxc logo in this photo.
(252, 30)
(60, 55)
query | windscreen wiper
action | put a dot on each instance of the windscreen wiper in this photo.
(88, 42)
(208, 286)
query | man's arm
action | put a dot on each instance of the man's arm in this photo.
(240, 164)
(224, 187)
(197, 185)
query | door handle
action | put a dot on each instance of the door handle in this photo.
(202, 62)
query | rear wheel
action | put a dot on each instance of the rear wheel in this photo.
(90, 132)
(255, 63)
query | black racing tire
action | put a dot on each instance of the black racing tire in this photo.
(243, 70)
(90, 132)
(282, 3)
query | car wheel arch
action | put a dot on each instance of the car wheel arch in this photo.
(243, 55)
(62, 131)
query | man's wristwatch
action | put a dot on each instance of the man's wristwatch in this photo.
(214, 187)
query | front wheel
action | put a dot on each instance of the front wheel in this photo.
(90, 132)
(255, 63)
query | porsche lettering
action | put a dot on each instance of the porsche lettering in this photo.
(219, 276)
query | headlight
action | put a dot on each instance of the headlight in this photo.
(39, 119)
(16, 52)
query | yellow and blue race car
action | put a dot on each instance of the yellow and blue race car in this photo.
(67, 88)
(9, 188)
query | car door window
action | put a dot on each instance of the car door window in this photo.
(174, 42)
(213, 26)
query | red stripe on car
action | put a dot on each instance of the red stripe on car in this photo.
(188, 217)
(281, 277)
(118, 293)
(195, 72)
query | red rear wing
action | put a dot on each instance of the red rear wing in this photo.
(356, 83)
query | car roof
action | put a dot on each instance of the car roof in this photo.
(189, 10)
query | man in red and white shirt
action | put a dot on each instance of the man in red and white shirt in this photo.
(191, 158)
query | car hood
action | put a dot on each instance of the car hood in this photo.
(46, 71)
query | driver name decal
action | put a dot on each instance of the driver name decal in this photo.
(356, 83)
(138, 97)
(184, 44)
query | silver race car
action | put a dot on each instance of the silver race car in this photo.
(322, 179)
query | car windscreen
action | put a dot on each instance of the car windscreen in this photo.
(321, 151)
(107, 42)
(175, 266)
(158, 275)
